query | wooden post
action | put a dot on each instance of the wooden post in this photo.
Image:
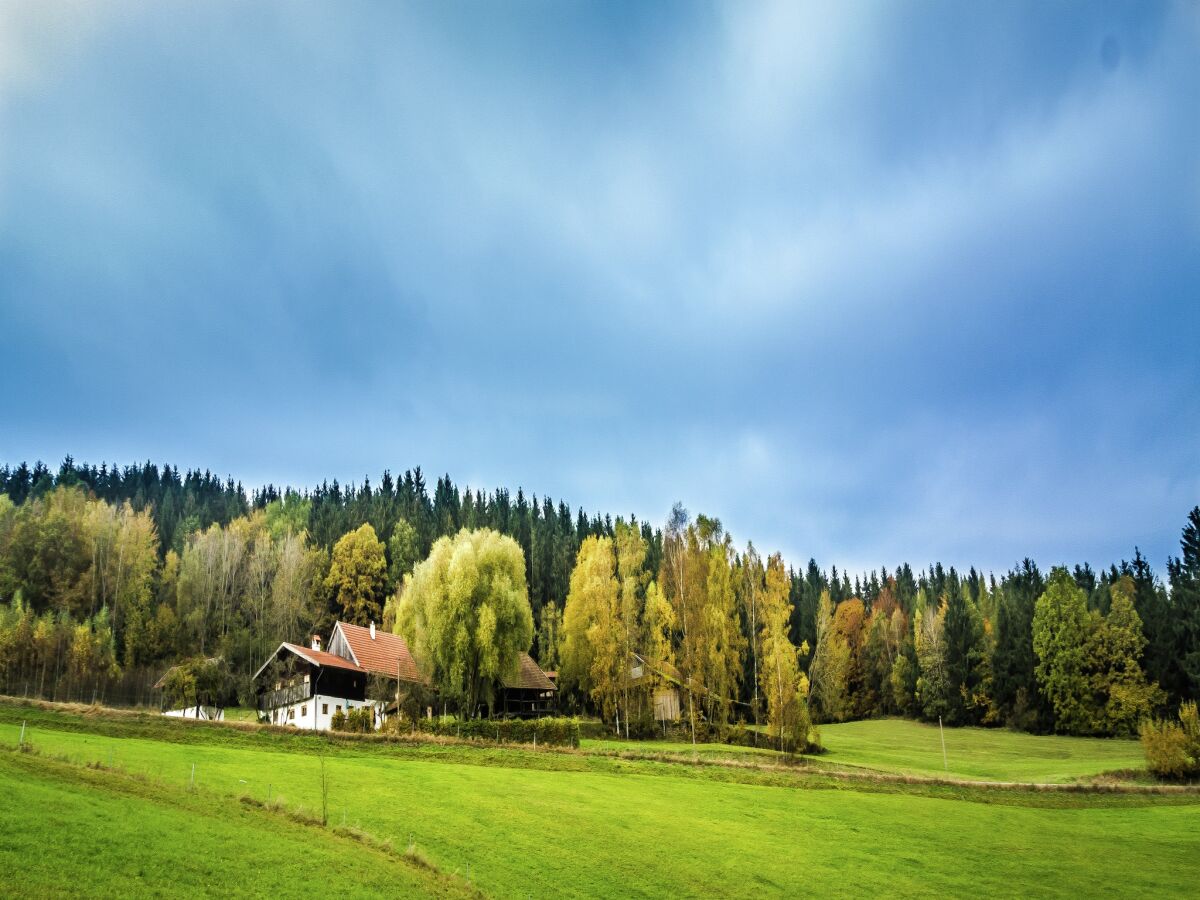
(942, 732)
(192, 782)
(21, 742)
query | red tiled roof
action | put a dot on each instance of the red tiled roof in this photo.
(385, 653)
(529, 676)
(321, 658)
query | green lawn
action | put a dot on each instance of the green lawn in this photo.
(569, 824)
(914, 748)
(69, 831)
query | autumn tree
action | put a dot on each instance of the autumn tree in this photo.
(465, 613)
(357, 579)
(660, 625)
(595, 658)
(1122, 693)
(827, 674)
(783, 684)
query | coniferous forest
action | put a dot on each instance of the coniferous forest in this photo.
(110, 574)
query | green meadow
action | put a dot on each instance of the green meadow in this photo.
(904, 747)
(518, 822)
(986, 754)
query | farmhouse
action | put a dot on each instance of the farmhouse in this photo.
(307, 686)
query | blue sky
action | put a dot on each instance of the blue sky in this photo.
(869, 282)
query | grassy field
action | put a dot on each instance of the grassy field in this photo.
(914, 748)
(71, 831)
(577, 824)
(904, 747)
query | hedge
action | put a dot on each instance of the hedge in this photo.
(556, 732)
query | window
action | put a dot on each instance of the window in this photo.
(339, 707)
(304, 710)
(324, 709)
(291, 714)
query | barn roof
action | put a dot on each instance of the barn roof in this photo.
(529, 676)
(385, 653)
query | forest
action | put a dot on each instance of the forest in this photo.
(108, 575)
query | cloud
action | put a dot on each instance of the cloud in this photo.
(863, 283)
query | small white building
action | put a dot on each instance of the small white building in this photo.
(203, 713)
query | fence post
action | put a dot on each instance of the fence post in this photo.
(192, 781)
(21, 741)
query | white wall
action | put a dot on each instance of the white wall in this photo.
(302, 715)
(208, 713)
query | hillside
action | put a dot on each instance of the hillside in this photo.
(582, 824)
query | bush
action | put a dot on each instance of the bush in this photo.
(356, 721)
(594, 729)
(1173, 748)
(741, 736)
(557, 732)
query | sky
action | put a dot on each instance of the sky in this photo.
(868, 282)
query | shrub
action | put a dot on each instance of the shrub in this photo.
(1173, 748)
(356, 721)
(556, 732)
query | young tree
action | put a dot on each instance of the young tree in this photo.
(660, 627)
(1119, 686)
(828, 672)
(722, 646)
(594, 658)
(465, 613)
(783, 683)
(1062, 629)
(933, 680)
(357, 580)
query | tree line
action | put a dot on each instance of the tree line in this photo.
(107, 574)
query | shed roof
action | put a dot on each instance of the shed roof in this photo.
(529, 676)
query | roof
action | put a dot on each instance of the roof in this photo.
(385, 654)
(529, 676)
(316, 657)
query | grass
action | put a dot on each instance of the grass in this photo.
(71, 831)
(709, 751)
(914, 748)
(904, 747)
(582, 825)
(240, 714)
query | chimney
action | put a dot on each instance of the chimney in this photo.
(372, 631)
(316, 642)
